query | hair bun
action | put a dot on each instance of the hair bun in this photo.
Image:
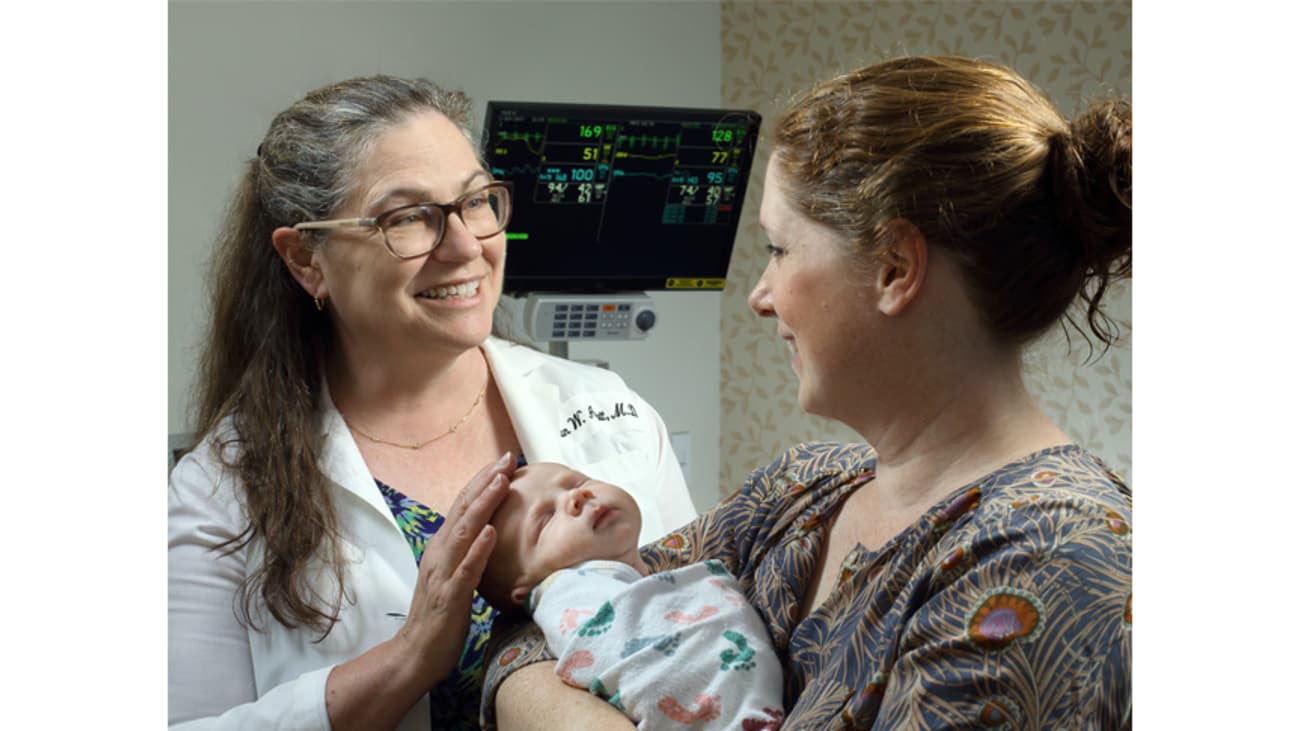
(1094, 190)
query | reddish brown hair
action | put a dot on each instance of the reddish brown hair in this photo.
(1037, 209)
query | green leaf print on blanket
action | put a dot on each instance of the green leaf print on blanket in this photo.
(741, 658)
(599, 624)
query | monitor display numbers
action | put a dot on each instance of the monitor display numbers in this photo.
(621, 195)
(583, 162)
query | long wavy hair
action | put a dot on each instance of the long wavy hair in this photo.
(1036, 209)
(260, 380)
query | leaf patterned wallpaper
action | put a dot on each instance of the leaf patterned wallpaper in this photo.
(1073, 51)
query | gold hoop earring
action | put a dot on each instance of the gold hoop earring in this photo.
(320, 303)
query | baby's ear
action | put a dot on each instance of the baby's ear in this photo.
(519, 594)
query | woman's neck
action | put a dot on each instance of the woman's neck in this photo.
(961, 424)
(405, 392)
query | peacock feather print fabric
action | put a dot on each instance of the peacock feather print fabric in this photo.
(1007, 605)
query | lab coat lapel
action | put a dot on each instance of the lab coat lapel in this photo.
(531, 401)
(342, 461)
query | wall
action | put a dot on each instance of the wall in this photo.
(233, 65)
(771, 50)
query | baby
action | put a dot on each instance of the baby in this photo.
(681, 647)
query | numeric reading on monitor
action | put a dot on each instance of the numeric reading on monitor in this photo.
(620, 197)
(588, 162)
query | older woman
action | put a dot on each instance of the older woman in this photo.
(927, 218)
(322, 555)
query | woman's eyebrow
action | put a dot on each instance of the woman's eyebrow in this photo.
(480, 173)
(389, 200)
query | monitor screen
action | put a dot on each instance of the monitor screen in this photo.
(619, 198)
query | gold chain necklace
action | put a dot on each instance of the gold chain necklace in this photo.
(426, 442)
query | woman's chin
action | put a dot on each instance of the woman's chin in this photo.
(805, 399)
(443, 339)
(810, 401)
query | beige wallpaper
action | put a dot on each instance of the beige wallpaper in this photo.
(1074, 51)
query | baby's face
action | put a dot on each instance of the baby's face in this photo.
(555, 517)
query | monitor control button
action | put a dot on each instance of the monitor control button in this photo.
(645, 319)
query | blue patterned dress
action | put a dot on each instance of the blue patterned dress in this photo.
(453, 703)
(1007, 605)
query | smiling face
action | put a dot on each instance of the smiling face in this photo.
(553, 518)
(819, 294)
(442, 300)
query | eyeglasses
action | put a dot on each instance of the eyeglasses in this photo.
(416, 229)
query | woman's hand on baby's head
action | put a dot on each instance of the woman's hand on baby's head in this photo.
(450, 569)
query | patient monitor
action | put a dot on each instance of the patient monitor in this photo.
(613, 201)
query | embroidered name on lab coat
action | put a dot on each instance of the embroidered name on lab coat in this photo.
(583, 417)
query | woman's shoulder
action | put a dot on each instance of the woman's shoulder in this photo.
(203, 481)
(1060, 504)
(220, 444)
(1065, 476)
(208, 469)
(812, 467)
(819, 459)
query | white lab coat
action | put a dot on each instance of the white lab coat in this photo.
(222, 675)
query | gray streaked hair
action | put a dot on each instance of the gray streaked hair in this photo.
(261, 362)
(308, 153)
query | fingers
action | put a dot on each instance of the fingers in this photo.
(480, 482)
(483, 481)
(470, 513)
(470, 571)
(473, 519)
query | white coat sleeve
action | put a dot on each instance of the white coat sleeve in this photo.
(211, 682)
(674, 502)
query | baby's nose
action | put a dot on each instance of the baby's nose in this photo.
(577, 499)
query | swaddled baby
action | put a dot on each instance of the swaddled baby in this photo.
(681, 647)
